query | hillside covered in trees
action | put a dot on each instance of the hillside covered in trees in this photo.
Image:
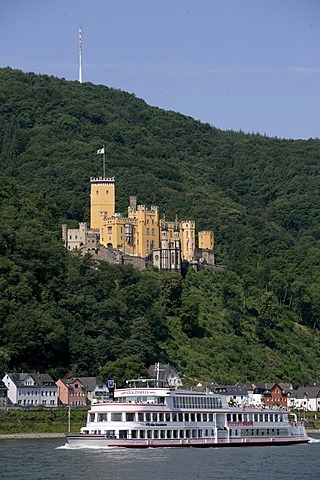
(61, 313)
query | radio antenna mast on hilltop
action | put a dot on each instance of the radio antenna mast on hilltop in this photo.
(80, 54)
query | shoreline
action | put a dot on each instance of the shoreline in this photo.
(19, 436)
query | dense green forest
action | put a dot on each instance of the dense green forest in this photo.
(64, 314)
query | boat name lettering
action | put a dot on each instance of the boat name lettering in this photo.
(149, 424)
(191, 424)
(136, 392)
(240, 424)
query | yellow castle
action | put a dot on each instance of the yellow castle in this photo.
(141, 234)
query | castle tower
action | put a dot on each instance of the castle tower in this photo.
(206, 239)
(187, 237)
(164, 249)
(146, 227)
(102, 201)
(176, 254)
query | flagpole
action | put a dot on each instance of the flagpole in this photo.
(104, 162)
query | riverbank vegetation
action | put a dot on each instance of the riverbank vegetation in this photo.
(66, 315)
(40, 420)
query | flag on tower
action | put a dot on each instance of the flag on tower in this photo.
(101, 151)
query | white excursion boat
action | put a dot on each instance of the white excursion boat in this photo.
(148, 413)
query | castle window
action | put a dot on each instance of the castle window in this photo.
(152, 231)
(147, 221)
(97, 192)
(109, 229)
(107, 192)
(148, 231)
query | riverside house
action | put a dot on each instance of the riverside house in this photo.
(80, 391)
(31, 389)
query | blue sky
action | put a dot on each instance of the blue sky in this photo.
(250, 65)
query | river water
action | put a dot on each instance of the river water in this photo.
(46, 459)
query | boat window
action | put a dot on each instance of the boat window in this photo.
(194, 433)
(169, 433)
(109, 433)
(210, 417)
(154, 417)
(234, 417)
(116, 417)
(193, 417)
(162, 434)
(204, 417)
(148, 417)
(229, 417)
(181, 433)
(167, 417)
(175, 433)
(200, 433)
(198, 417)
(134, 434)
(140, 417)
(123, 433)
(149, 433)
(102, 417)
(261, 417)
(91, 417)
(129, 417)
(255, 417)
(188, 433)
(174, 417)
(156, 434)
(161, 417)
(240, 417)
(180, 417)
(142, 434)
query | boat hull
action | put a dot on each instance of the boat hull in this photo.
(100, 441)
